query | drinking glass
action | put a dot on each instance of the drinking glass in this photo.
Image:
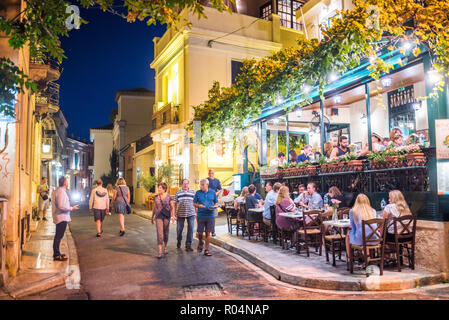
(345, 216)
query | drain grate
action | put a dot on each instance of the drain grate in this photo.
(199, 291)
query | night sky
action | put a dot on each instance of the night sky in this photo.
(103, 56)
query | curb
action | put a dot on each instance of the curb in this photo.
(372, 283)
(73, 273)
(41, 286)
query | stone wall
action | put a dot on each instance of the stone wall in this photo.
(432, 245)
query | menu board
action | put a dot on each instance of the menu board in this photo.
(442, 138)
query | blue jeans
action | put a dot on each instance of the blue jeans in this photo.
(180, 228)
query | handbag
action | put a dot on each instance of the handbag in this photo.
(44, 197)
(128, 207)
(164, 211)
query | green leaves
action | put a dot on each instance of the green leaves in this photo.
(12, 82)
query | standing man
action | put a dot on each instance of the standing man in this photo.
(205, 200)
(215, 185)
(44, 200)
(341, 149)
(99, 201)
(185, 211)
(313, 200)
(61, 215)
(305, 156)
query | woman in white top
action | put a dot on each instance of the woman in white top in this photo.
(241, 199)
(396, 208)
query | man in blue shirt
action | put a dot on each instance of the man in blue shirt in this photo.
(270, 199)
(215, 185)
(205, 201)
(307, 152)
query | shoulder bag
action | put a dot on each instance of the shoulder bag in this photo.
(128, 207)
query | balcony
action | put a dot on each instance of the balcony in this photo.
(47, 101)
(168, 114)
(44, 69)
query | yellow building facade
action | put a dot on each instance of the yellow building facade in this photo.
(187, 61)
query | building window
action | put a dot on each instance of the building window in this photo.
(170, 85)
(236, 66)
(286, 10)
(401, 111)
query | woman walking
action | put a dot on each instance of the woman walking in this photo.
(121, 200)
(110, 189)
(164, 209)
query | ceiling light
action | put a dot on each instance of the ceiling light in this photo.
(337, 99)
(417, 106)
(333, 77)
(386, 82)
(364, 119)
(299, 113)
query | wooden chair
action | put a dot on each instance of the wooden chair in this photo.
(342, 211)
(404, 238)
(310, 232)
(372, 248)
(274, 227)
(231, 216)
(265, 231)
(241, 224)
(253, 221)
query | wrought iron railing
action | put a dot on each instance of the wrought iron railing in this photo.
(45, 59)
(49, 96)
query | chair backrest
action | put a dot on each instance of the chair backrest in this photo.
(242, 211)
(311, 219)
(404, 227)
(342, 211)
(229, 203)
(376, 232)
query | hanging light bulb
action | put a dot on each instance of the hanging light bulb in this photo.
(333, 77)
(434, 76)
(417, 106)
(276, 120)
(299, 113)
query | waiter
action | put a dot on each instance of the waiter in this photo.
(215, 185)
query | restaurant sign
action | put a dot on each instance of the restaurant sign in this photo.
(442, 138)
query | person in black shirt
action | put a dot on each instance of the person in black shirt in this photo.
(251, 201)
(336, 195)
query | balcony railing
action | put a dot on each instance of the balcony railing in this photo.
(49, 96)
(168, 114)
(45, 59)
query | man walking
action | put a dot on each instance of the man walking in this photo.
(206, 201)
(185, 211)
(215, 185)
(99, 201)
(44, 200)
(61, 215)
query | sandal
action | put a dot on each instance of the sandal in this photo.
(207, 253)
(165, 251)
(200, 248)
(60, 258)
(159, 256)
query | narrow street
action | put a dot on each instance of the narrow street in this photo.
(119, 268)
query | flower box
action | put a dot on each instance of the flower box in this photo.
(415, 159)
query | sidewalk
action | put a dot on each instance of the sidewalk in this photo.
(38, 272)
(141, 211)
(315, 272)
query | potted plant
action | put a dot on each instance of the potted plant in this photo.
(267, 172)
(329, 165)
(376, 159)
(414, 156)
(351, 161)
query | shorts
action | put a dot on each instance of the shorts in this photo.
(99, 214)
(44, 204)
(205, 225)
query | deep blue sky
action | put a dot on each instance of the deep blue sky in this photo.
(103, 56)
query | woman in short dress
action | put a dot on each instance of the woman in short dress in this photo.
(121, 199)
(164, 210)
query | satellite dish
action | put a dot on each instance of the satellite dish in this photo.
(316, 120)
